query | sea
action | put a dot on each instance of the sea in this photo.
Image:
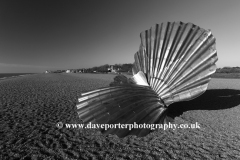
(9, 75)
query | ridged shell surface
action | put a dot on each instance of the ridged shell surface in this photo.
(122, 104)
(177, 59)
(174, 63)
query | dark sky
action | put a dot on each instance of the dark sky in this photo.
(42, 35)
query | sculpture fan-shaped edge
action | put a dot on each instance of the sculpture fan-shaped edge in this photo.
(178, 60)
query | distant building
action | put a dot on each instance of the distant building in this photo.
(46, 71)
(68, 71)
(112, 69)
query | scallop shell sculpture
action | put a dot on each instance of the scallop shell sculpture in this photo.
(174, 63)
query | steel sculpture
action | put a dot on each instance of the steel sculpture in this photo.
(174, 63)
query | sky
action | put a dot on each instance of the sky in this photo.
(44, 35)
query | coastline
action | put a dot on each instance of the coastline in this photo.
(13, 75)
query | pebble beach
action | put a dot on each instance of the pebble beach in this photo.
(32, 105)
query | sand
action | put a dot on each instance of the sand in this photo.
(30, 107)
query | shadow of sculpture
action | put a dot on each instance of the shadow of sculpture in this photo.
(215, 99)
